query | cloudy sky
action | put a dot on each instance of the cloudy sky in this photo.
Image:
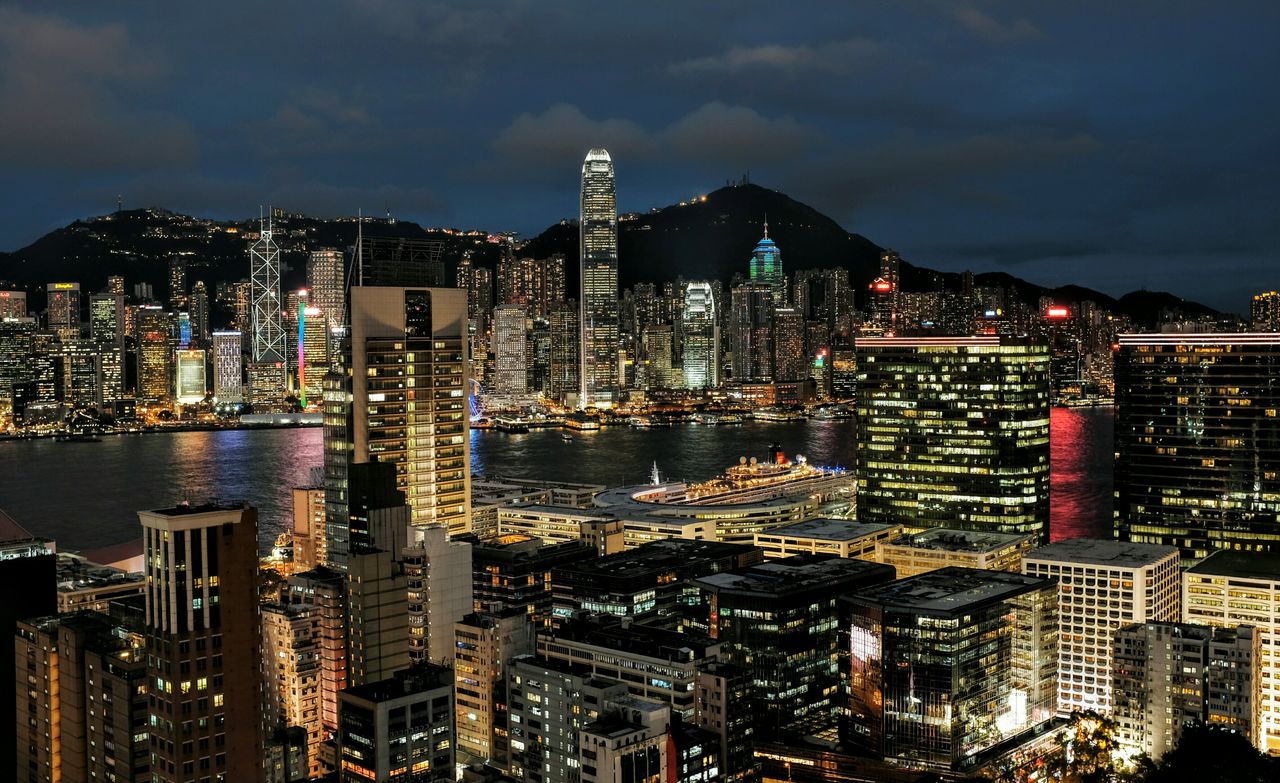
(1118, 145)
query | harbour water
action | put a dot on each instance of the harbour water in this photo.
(85, 495)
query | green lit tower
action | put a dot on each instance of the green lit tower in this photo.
(766, 267)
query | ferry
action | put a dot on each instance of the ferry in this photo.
(482, 423)
(511, 424)
(566, 437)
(581, 422)
(776, 414)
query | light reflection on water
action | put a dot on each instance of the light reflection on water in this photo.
(85, 495)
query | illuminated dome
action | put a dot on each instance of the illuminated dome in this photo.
(598, 153)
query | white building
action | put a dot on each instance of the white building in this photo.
(1231, 588)
(510, 370)
(1102, 586)
(701, 337)
(439, 572)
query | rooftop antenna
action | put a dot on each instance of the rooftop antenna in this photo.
(766, 225)
(119, 203)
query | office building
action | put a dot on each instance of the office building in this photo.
(656, 348)
(63, 310)
(1265, 312)
(939, 547)
(510, 375)
(766, 268)
(945, 667)
(723, 707)
(267, 372)
(700, 328)
(228, 367)
(515, 572)
(202, 640)
(1198, 441)
(1103, 585)
(644, 583)
(632, 739)
(485, 642)
(106, 330)
(564, 324)
(751, 331)
(200, 313)
(84, 703)
(535, 284)
(838, 537)
(779, 619)
(402, 342)
(13, 304)
(154, 334)
(177, 283)
(327, 279)
(398, 729)
(975, 412)
(790, 360)
(1228, 589)
(615, 648)
(439, 585)
(1169, 675)
(291, 675)
(599, 252)
(400, 261)
(190, 379)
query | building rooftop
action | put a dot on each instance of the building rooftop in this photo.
(1094, 551)
(183, 509)
(1246, 565)
(617, 633)
(77, 573)
(663, 555)
(418, 679)
(828, 529)
(794, 575)
(953, 540)
(950, 590)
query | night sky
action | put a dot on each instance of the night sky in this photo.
(1117, 145)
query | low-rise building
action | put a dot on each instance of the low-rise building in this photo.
(837, 537)
(939, 547)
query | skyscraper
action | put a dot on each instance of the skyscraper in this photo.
(228, 370)
(402, 399)
(701, 333)
(954, 431)
(106, 329)
(326, 278)
(13, 304)
(766, 267)
(202, 639)
(1265, 312)
(565, 345)
(177, 283)
(751, 325)
(64, 309)
(510, 378)
(1198, 441)
(267, 374)
(790, 362)
(189, 382)
(155, 354)
(199, 305)
(599, 247)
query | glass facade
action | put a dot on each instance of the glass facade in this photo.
(701, 337)
(954, 431)
(599, 320)
(1198, 442)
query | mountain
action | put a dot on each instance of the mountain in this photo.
(707, 238)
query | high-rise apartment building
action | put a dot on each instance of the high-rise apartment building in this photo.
(1228, 589)
(700, 328)
(402, 400)
(1102, 586)
(1265, 312)
(202, 639)
(228, 367)
(1168, 675)
(322, 592)
(533, 283)
(485, 642)
(954, 432)
(310, 544)
(921, 694)
(598, 378)
(439, 592)
(291, 675)
(377, 615)
(1197, 440)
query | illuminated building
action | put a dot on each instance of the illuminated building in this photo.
(202, 640)
(1197, 440)
(836, 537)
(563, 324)
(954, 432)
(790, 363)
(106, 330)
(510, 376)
(559, 524)
(1169, 675)
(1228, 589)
(155, 354)
(939, 547)
(485, 642)
(751, 330)
(701, 331)
(402, 400)
(177, 283)
(398, 729)
(1103, 585)
(643, 583)
(377, 615)
(916, 699)
(267, 370)
(200, 313)
(534, 284)
(15, 354)
(515, 572)
(885, 296)
(1264, 312)
(400, 261)
(439, 592)
(81, 377)
(657, 350)
(765, 268)
(327, 279)
(598, 378)
(322, 592)
(64, 310)
(310, 546)
(13, 304)
(313, 354)
(723, 707)
(83, 702)
(291, 675)
(228, 367)
(844, 372)
(779, 619)
(191, 385)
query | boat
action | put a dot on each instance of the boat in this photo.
(482, 423)
(581, 422)
(775, 414)
(566, 437)
(510, 424)
(77, 437)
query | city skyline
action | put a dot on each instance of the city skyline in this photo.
(973, 164)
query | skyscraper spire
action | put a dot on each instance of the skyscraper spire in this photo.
(766, 225)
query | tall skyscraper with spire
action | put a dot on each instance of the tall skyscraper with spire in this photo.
(599, 246)
(766, 267)
(267, 370)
